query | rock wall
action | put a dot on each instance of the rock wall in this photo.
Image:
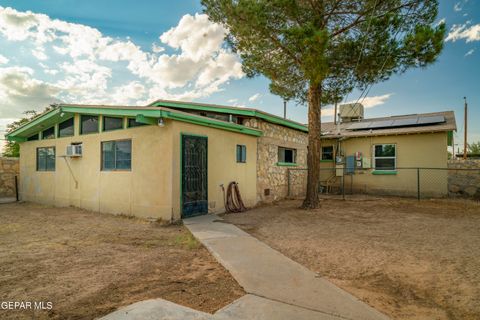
(9, 168)
(466, 181)
(272, 179)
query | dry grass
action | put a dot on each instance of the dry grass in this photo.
(89, 264)
(409, 259)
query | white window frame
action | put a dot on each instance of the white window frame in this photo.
(375, 157)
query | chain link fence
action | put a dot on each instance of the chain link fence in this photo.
(420, 183)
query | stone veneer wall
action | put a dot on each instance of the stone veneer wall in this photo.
(270, 176)
(464, 182)
(9, 168)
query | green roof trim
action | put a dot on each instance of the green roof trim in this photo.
(39, 123)
(232, 110)
(143, 115)
(384, 172)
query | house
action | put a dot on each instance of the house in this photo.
(170, 159)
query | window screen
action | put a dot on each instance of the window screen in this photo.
(133, 123)
(48, 133)
(241, 153)
(117, 155)
(89, 124)
(327, 153)
(385, 156)
(287, 155)
(46, 159)
(65, 129)
(111, 123)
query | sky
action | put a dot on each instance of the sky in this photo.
(134, 52)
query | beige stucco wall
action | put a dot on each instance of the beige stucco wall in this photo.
(413, 151)
(271, 176)
(222, 165)
(152, 187)
(144, 191)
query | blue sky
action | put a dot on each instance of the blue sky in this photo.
(132, 52)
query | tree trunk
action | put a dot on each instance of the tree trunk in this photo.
(313, 156)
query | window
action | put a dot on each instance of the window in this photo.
(117, 155)
(48, 133)
(111, 123)
(241, 153)
(88, 124)
(133, 123)
(33, 138)
(385, 156)
(327, 153)
(286, 155)
(46, 159)
(65, 129)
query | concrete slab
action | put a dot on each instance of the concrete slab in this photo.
(156, 309)
(265, 272)
(251, 307)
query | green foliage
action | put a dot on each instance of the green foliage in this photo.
(474, 148)
(12, 149)
(331, 44)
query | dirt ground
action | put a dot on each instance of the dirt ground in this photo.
(89, 264)
(408, 259)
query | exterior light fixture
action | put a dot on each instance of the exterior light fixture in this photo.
(161, 123)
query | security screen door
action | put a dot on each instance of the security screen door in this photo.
(194, 193)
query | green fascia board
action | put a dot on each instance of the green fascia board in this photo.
(211, 123)
(384, 172)
(286, 164)
(48, 119)
(146, 120)
(242, 112)
(148, 116)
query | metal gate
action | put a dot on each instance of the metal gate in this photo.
(194, 194)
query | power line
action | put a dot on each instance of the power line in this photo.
(368, 87)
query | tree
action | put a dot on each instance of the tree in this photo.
(316, 50)
(474, 148)
(12, 148)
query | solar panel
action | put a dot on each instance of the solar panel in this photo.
(381, 124)
(431, 119)
(405, 122)
(359, 125)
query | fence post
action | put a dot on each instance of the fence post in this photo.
(418, 183)
(343, 183)
(16, 188)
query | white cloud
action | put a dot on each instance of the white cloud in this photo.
(457, 7)
(458, 32)
(3, 59)
(90, 67)
(470, 52)
(368, 102)
(39, 54)
(254, 97)
(197, 36)
(232, 101)
(19, 92)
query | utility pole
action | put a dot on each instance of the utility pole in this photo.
(284, 109)
(465, 144)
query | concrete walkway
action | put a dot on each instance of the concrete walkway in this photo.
(265, 272)
(277, 287)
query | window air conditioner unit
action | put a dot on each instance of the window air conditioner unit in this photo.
(74, 150)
